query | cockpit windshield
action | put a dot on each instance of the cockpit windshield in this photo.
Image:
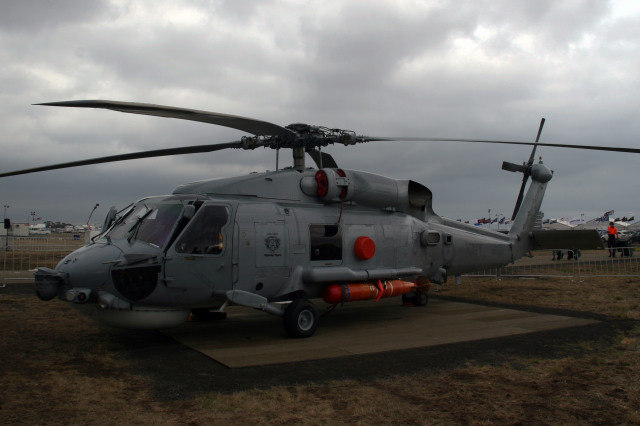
(148, 222)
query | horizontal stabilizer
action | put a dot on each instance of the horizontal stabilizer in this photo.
(583, 239)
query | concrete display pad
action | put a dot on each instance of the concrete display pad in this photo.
(252, 338)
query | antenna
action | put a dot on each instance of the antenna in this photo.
(91, 214)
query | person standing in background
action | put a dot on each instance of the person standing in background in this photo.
(612, 231)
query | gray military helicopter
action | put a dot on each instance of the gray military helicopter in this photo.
(275, 240)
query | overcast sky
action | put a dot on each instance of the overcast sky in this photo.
(456, 69)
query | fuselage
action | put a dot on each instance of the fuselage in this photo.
(274, 236)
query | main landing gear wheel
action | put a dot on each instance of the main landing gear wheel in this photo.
(419, 298)
(300, 318)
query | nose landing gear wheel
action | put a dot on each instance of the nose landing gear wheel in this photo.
(300, 319)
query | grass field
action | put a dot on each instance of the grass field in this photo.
(58, 367)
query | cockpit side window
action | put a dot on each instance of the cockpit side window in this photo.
(203, 235)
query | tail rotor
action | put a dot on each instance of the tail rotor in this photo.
(525, 168)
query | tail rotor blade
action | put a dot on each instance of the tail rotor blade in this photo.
(533, 151)
(511, 167)
(527, 171)
(520, 196)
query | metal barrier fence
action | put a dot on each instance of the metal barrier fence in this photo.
(19, 255)
(574, 264)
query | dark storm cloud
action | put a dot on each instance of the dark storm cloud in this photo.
(44, 15)
(452, 69)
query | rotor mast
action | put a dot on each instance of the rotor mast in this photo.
(298, 157)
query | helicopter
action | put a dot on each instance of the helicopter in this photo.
(277, 240)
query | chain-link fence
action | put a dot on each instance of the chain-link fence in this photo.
(22, 254)
(574, 264)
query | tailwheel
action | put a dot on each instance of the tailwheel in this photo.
(300, 319)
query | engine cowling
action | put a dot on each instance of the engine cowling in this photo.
(332, 185)
(338, 185)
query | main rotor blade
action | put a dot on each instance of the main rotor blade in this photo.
(129, 156)
(322, 159)
(553, 145)
(249, 125)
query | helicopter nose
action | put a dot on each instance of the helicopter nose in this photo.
(79, 274)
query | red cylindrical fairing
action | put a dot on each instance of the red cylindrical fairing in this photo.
(337, 293)
(323, 183)
(364, 248)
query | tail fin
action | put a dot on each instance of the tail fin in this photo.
(528, 211)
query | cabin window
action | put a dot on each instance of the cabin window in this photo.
(326, 242)
(430, 238)
(204, 233)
